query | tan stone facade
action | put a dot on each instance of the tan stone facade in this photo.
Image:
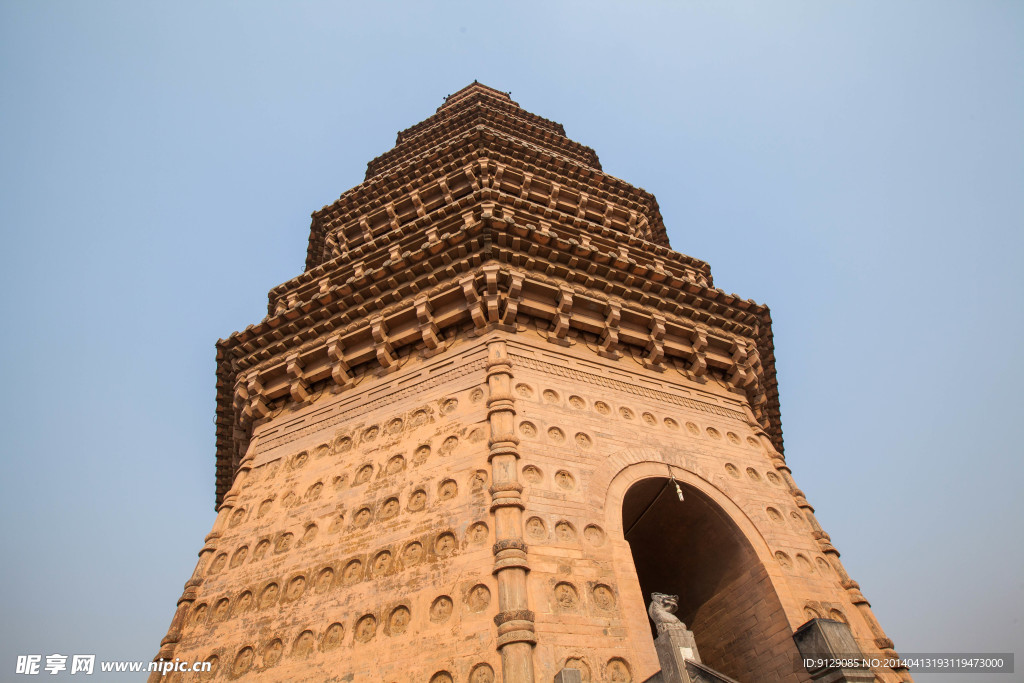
(450, 451)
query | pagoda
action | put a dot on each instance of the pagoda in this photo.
(498, 430)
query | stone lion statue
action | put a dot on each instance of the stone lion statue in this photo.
(662, 611)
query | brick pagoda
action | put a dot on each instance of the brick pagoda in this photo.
(493, 416)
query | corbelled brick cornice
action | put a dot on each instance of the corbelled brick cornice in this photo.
(485, 216)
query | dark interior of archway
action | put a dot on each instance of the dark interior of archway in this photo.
(688, 548)
(693, 550)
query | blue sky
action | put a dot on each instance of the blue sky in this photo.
(858, 166)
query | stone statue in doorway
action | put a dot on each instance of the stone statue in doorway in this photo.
(662, 612)
(675, 644)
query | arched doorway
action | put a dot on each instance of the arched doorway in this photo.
(692, 549)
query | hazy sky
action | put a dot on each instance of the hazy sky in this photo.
(858, 166)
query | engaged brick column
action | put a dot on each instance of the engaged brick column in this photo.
(188, 596)
(514, 619)
(192, 587)
(882, 641)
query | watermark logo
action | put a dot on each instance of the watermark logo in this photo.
(31, 665)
